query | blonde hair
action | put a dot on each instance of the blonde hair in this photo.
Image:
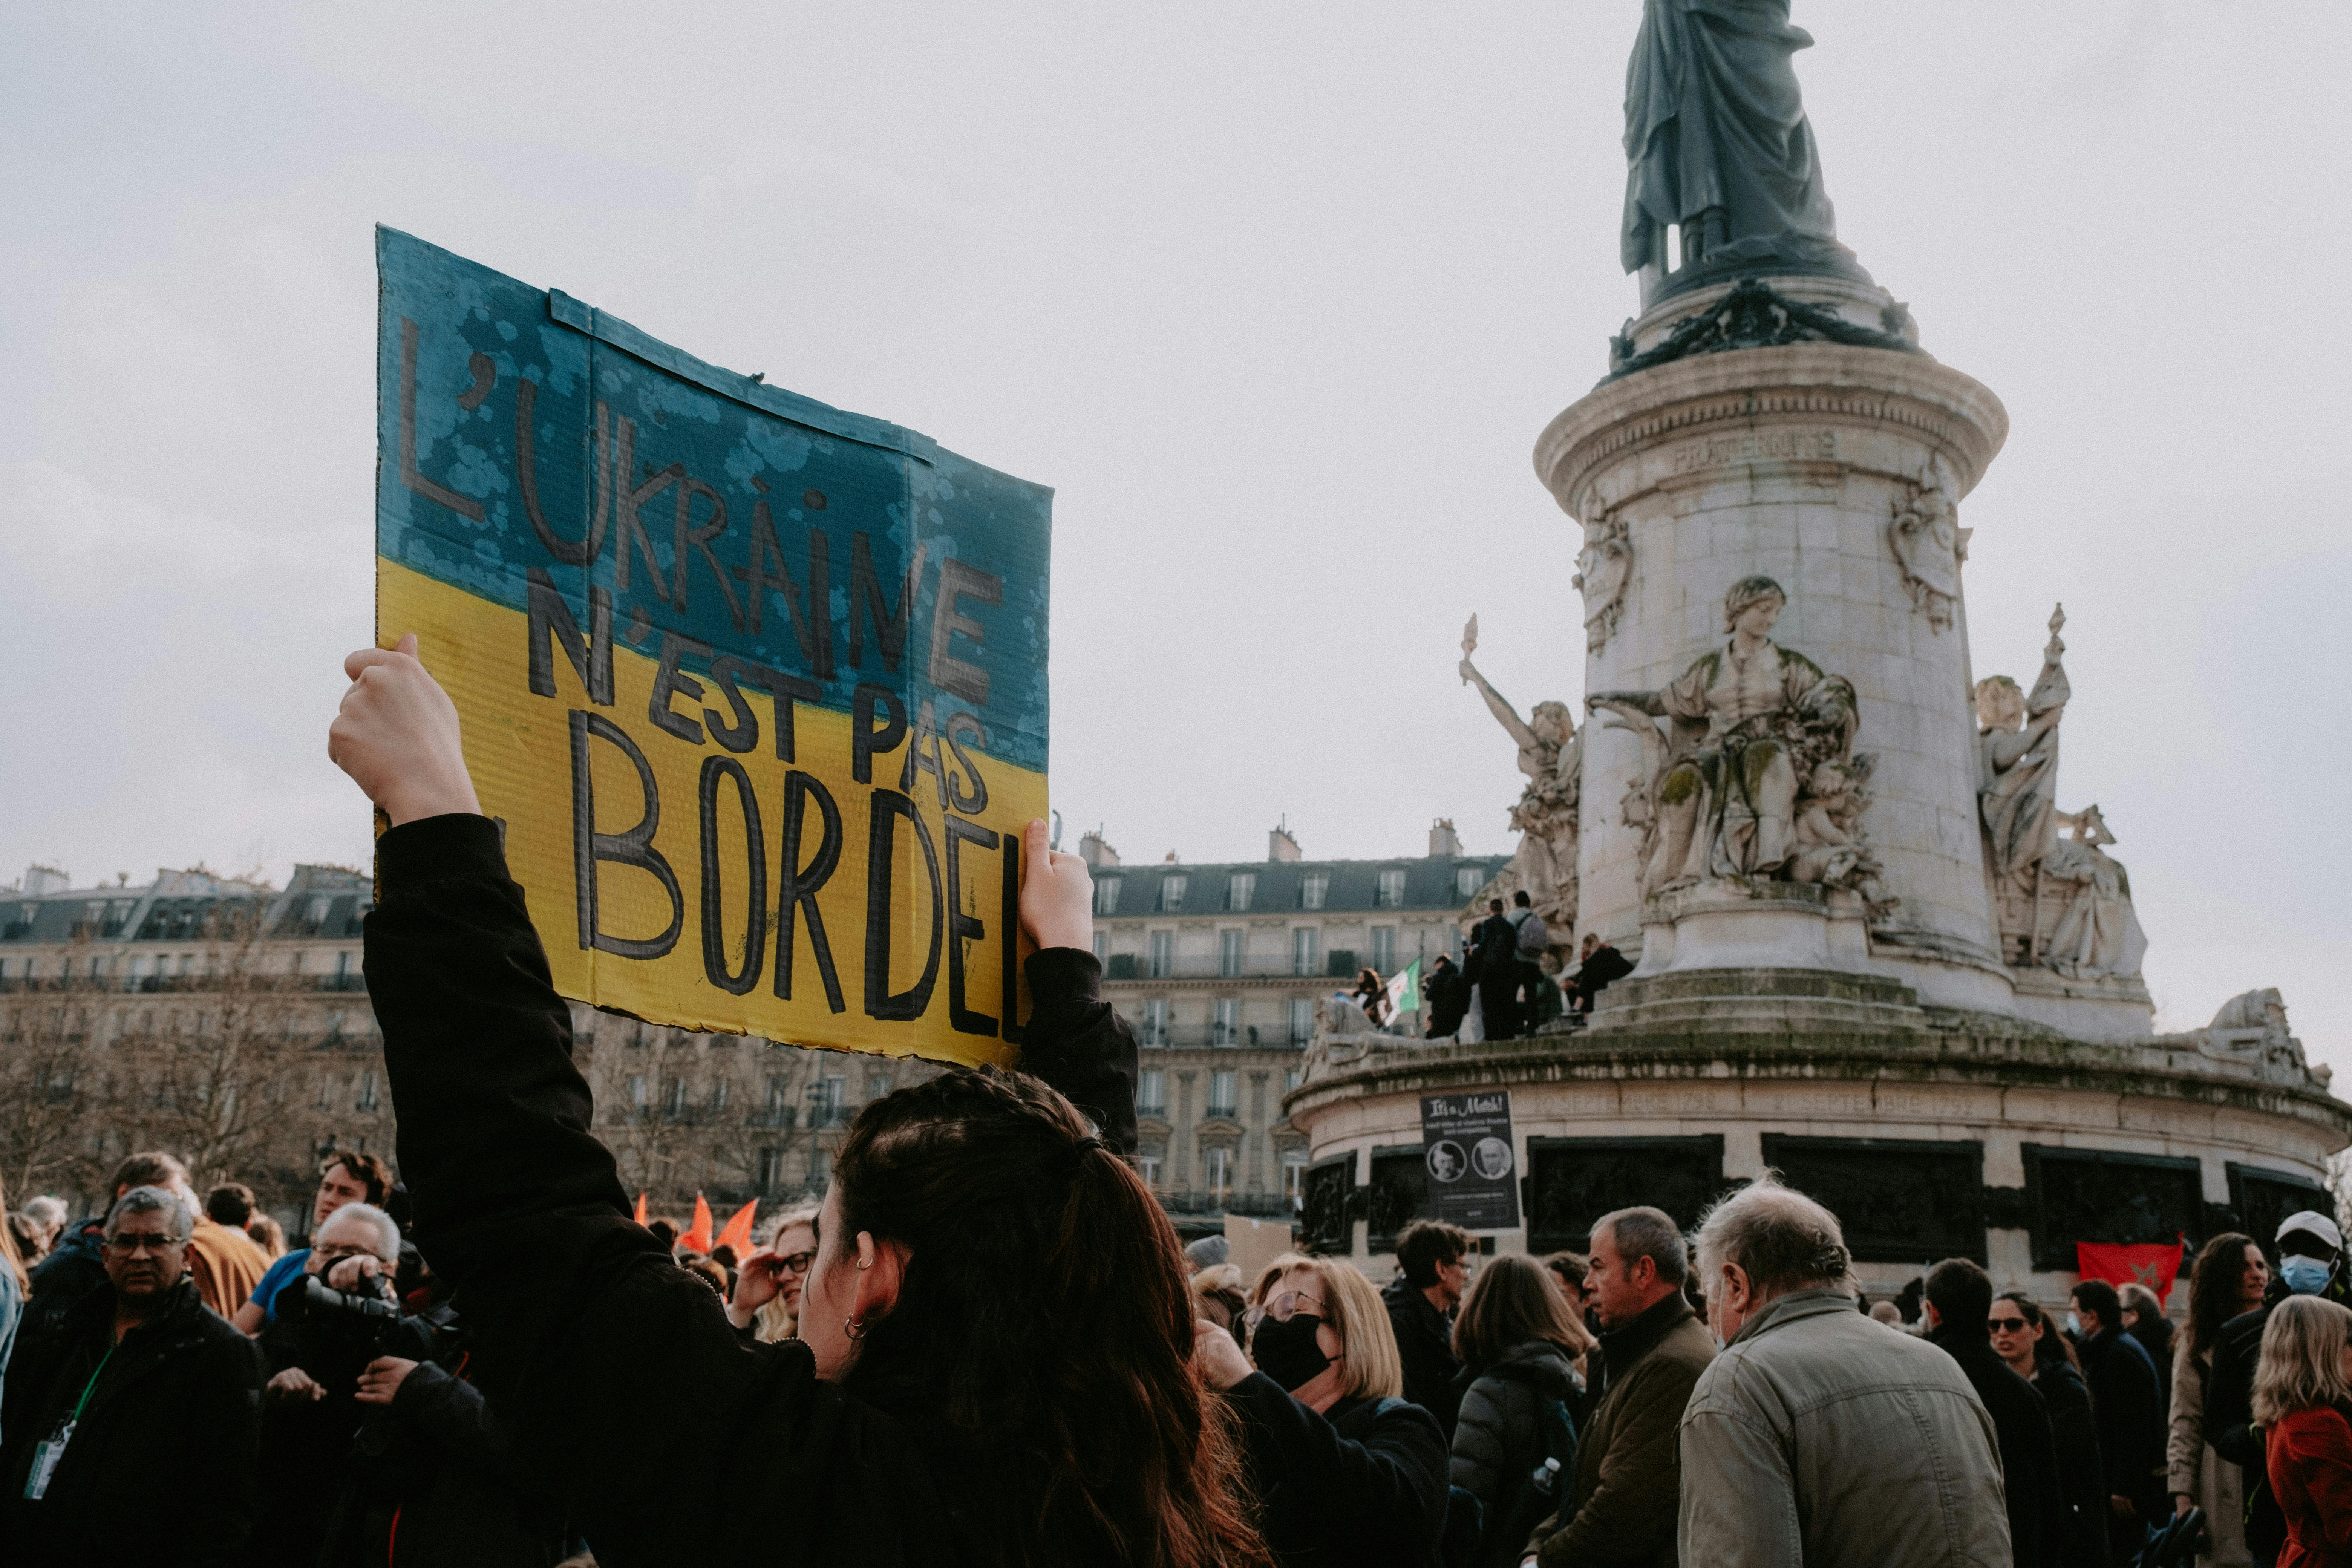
(2303, 1358)
(774, 1320)
(1358, 1315)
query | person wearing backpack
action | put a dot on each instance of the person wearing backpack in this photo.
(1518, 1340)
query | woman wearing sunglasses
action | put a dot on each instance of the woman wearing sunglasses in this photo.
(2024, 1336)
(1347, 1472)
(767, 1302)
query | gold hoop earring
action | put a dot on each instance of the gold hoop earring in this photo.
(849, 1326)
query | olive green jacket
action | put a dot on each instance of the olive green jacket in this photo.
(1628, 1476)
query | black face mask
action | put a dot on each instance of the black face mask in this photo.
(1287, 1351)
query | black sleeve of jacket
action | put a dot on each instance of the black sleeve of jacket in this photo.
(223, 1459)
(2229, 1397)
(454, 1416)
(614, 1374)
(1078, 1043)
(1388, 1489)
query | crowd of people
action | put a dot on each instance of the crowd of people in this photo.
(986, 1345)
(1509, 983)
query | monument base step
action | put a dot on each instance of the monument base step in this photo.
(1759, 1000)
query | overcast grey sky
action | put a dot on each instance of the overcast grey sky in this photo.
(1276, 298)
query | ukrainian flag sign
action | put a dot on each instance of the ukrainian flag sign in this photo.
(757, 688)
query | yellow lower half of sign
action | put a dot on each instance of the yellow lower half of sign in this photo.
(739, 891)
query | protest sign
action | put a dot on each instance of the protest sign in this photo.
(756, 688)
(1466, 1152)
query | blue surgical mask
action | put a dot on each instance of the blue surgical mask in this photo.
(2073, 1325)
(2303, 1275)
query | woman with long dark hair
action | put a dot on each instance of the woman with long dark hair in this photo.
(2229, 1278)
(2024, 1336)
(994, 1360)
(1517, 1339)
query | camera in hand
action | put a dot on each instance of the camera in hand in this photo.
(362, 1311)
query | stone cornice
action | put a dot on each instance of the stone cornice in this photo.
(2005, 1062)
(1751, 388)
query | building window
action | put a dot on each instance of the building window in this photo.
(1293, 1078)
(771, 1169)
(877, 1085)
(1172, 894)
(1389, 895)
(674, 1098)
(638, 1092)
(1148, 1167)
(1239, 888)
(1220, 1093)
(1163, 954)
(1294, 1177)
(1384, 948)
(1227, 1029)
(1218, 1164)
(366, 1101)
(1306, 951)
(1312, 888)
(1106, 895)
(719, 1096)
(1102, 947)
(1152, 1092)
(826, 1098)
(778, 1111)
(820, 1167)
(1155, 1021)
(1229, 952)
(1468, 880)
(1302, 1020)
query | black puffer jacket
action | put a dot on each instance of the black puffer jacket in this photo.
(612, 1372)
(1495, 1442)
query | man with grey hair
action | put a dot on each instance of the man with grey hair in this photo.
(1621, 1508)
(143, 1393)
(1818, 1437)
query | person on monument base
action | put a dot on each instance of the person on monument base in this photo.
(1602, 966)
(1448, 994)
(1959, 1303)
(2036, 1350)
(1817, 1437)
(1494, 971)
(1654, 1348)
(1432, 1271)
(938, 1405)
(2131, 1420)
(2229, 1278)
(2311, 1263)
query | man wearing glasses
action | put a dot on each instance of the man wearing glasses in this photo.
(145, 1394)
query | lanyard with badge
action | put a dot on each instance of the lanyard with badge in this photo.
(45, 1454)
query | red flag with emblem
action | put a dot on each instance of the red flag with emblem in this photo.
(2155, 1266)
(698, 1234)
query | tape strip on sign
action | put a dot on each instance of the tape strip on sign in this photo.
(756, 687)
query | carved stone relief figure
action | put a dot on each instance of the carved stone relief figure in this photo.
(1551, 756)
(1929, 545)
(1603, 570)
(1753, 776)
(2063, 903)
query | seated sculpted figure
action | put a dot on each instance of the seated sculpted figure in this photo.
(1750, 720)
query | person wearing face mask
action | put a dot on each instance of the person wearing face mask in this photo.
(2310, 1250)
(1817, 1437)
(2228, 1279)
(937, 1405)
(1347, 1473)
(2131, 1421)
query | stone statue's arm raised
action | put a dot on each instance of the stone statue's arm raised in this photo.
(1628, 702)
(1504, 713)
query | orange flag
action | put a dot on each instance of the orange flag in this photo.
(698, 1234)
(737, 1233)
(640, 1216)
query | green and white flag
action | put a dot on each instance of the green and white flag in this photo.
(1405, 990)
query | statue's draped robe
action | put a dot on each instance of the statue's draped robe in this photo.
(2020, 802)
(1713, 119)
(1728, 803)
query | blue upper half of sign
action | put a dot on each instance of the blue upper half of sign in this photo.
(521, 432)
